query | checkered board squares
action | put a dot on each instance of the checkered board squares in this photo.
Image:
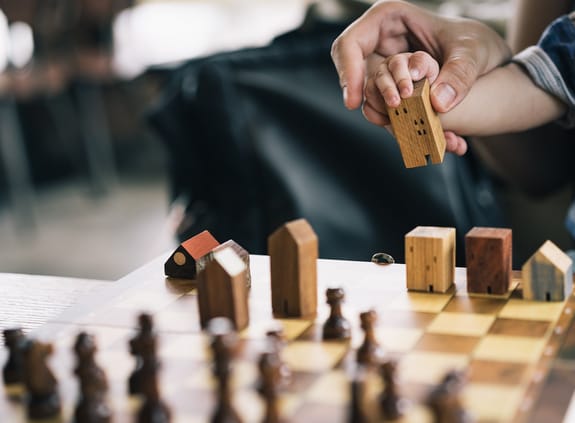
(499, 340)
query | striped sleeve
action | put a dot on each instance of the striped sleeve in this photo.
(551, 63)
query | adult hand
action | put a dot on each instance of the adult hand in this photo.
(465, 49)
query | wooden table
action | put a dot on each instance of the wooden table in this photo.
(520, 355)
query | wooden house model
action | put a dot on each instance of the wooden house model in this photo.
(182, 262)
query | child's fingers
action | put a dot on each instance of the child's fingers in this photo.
(386, 86)
(374, 116)
(373, 97)
(421, 65)
(455, 144)
(398, 65)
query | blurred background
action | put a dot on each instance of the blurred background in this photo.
(84, 180)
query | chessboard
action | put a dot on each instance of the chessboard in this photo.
(519, 356)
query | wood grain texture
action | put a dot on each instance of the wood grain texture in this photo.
(293, 250)
(430, 258)
(547, 275)
(488, 259)
(182, 262)
(417, 128)
(223, 290)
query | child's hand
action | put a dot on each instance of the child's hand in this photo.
(390, 79)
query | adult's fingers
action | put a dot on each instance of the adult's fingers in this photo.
(349, 60)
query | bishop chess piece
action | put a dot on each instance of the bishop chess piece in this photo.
(444, 400)
(16, 342)
(392, 405)
(370, 352)
(336, 326)
(43, 399)
(223, 347)
(145, 340)
(270, 376)
(92, 406)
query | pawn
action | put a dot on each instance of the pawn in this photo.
(392, 405)
(144, 342)
(92, 407)
(269, 367)
(336, 326)
(13, 370)
(223, 345)
(276, 340)
(444, 400)
(356, 412)
(153, 410)
(43, 399)
(370, 352)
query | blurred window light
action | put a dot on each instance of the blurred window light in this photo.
(4, 41)
(21, 44)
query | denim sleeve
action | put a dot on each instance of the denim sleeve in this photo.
(551, 63)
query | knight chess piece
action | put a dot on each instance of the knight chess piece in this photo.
(92, 406)
(370, 352)
(336, 326)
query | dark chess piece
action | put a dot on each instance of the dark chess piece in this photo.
(43, 399)
(92, 406)
(13, 370)
(370, 352)
(357, 404)
(153, 410)
(270, 376)
(336, 326)
(392, 405)
(145, 340)
(444, 400)
(223, 347)
(277, 342)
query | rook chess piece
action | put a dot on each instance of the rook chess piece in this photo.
(444, 400)
(390, 401)
(16, 343)
(43, 399)
(336, 326)
(145, 340)
(370, 352)
(223, 348)
(92, 407)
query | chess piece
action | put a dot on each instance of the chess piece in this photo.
(390, 401)
(269, 367)
(153, 410)
(370, 352)
(336, 326)
(91, 407)
(277, 341)
(43, 399)
(444, 400)
(356, 406)
(145, 340)
(13, 370)
(223, 347)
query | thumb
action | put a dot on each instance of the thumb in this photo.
(456, 77)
